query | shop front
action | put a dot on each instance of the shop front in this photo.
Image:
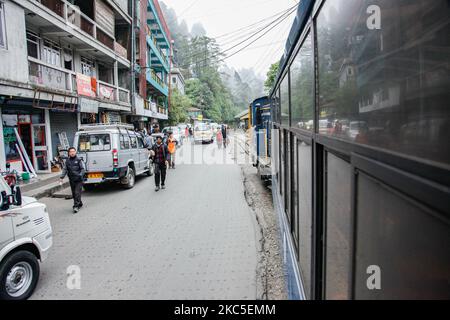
(28, 127)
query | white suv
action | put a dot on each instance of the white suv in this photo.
(25, 238)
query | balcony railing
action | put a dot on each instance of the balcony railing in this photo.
(53, 77)
(106, 91)
(73, 16)
(124, 95)
(150, 34)
(157, 79)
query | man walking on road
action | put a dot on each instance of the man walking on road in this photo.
(224, 135)
(160, 156)
(75, 169)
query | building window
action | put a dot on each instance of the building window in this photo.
(2, 26)
(51, 53)
(33, 44)
(87, 67)
(174, 80)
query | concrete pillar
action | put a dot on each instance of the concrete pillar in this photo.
(48, 137)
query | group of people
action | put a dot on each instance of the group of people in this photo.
(162, 152)
(222, 137)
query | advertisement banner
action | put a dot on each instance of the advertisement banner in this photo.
(84, 86)
(106, 92)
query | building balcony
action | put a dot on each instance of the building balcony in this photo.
(157, 83)
(51, 77)
(56, 79)
(61, 19)
(148, 108)
(157, 49)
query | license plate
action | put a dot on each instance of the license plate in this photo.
(95, 175)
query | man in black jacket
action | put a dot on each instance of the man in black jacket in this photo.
(160, 157)
(75, 169)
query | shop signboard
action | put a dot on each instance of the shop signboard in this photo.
(88, 105)
(84, 85)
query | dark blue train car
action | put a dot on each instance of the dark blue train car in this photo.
(260, 124)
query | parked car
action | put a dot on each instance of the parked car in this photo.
(112, 153)
(203, 132)
(25, 239)
(176, 133)
(357, 128)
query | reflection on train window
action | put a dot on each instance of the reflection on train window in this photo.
(409, 243)
(338, 228)
(284, 97)
(304, 194)
(302, 87)
(384, 80)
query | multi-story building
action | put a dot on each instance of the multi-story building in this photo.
(177, 80)
(152, 64)
(63, 63)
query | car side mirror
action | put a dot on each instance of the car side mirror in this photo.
(16, 196)
(4, 201)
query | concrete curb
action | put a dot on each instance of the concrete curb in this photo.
(47, 191)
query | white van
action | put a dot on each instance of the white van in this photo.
(25, 239)
(112, 152)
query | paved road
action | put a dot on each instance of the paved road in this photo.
(195, 240)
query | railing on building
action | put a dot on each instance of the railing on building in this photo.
(54, 77)
(73, 16)
(157, 79)
(47, 75)
(151, 35)
(124, 95)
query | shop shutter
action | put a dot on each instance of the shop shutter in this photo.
(62, 122)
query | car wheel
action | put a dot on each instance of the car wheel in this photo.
(130, 178)
(19, 275)
(89, 187)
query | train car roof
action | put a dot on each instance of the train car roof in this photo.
(303, 11)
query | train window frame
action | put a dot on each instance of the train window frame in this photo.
(308, 32)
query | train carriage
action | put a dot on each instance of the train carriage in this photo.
(260, 124)
(360, 150)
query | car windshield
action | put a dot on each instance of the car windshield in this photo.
(94, 142)
(202, 127)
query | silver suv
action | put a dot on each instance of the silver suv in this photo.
(112, 153)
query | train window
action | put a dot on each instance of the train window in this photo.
(284, 97)
(383, 74)
(287, 174)
(407, 242)
(302, 87)
(304, 194)
(294, 189)
(282, 162)
(338, 228)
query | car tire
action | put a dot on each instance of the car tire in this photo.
(130, 178)
(89, 187)
(21, 264)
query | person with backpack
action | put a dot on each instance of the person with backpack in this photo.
(160, 155)
(172, 144)
(75, 169)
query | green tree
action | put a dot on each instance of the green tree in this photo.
(179, 105)
(271, 77)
